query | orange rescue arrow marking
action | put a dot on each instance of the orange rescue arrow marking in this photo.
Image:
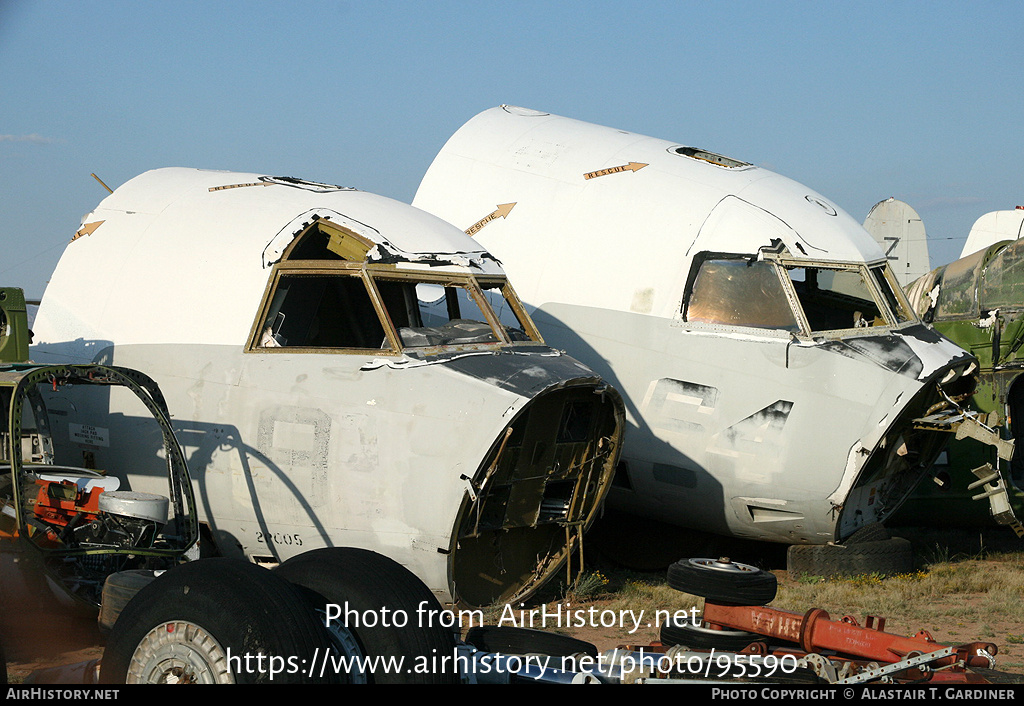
(631, 167)
(87, 229)
(501, 212)
(239, 186)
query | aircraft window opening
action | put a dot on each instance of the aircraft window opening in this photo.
(893, 294)
(325, 240)
(513, 319)
(441, 314)
(322, 311)
(836, 299)
(737, 292)
(348, 308)
(705, 156)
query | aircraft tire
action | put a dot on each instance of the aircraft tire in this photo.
(507, 639)
(886, 557)
(701, 637)
(723, 581)
(874, 532)
(192, 623)
(375, 587)
(118, 590)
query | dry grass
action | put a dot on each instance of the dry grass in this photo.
(955, 596)
(966, 588)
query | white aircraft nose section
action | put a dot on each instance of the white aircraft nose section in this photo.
(748, 226)
(349, 370)
(770, 362)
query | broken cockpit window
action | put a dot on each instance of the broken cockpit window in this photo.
(324, 295)
(735, 292)
(322, 311)
(836, 298)
(452, 312)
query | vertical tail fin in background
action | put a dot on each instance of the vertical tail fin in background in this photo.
(900, 231)
(993, 227)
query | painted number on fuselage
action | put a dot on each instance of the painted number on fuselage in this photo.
(280, 538)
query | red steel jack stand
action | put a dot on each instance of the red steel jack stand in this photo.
(814, 632)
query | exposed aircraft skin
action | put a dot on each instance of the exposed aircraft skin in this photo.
(301, 335)
(770, 363)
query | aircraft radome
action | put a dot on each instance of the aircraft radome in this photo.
(343, 370)
(771, 365)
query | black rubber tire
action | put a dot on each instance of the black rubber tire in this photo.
(885, 557)
(702, 638)
(367, 581)
(246, 609)
(710, 578)
(118, 590)
(507, 639)
(874, 532)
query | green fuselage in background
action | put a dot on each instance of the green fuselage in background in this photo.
(977, 302)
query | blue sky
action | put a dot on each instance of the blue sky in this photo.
(860, 101)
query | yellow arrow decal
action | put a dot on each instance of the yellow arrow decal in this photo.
(239, 186)
(631, 167)
(87, 229)
(501, 212)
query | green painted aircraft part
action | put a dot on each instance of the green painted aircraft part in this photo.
(14, 335)
(978, 303)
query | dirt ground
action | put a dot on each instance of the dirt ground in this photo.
(36, 640)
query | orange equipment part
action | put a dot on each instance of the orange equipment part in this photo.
(59, 502)
(814, 632)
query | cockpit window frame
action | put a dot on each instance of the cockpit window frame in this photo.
(896, 311)
(368, 274)
(866, 270)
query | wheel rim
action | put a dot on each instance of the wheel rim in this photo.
(344, 642)
(179, 652)
(725, 564)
